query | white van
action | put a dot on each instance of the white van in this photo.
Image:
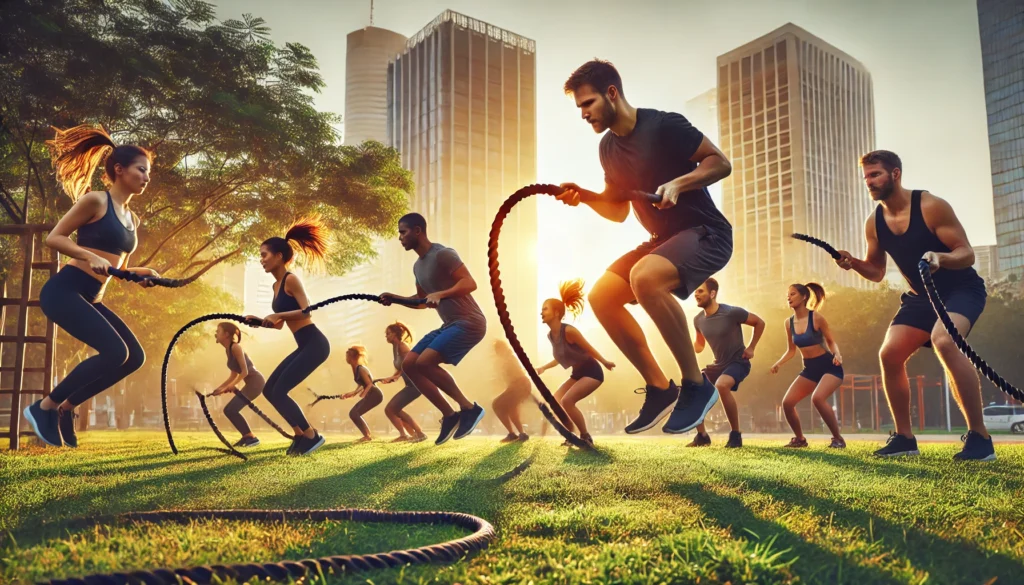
(1004, 418)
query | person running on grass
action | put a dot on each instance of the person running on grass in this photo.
(571, 350)
(823, 365)
(721, 326)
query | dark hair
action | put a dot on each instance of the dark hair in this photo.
(888, 159)
(571, 297)
(811, 291)
(236, 333)
(597, 73)
(401, 330)
(712, 285)
(76, 152)
(414, 220)
(308, 235)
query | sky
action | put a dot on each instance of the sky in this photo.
(924, 57)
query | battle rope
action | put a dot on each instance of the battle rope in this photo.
(562, 421)
(319, 397)
(250, 323)
(958, 340)
(206, 412)
(165, 282)
(819, 243)
(447, 552)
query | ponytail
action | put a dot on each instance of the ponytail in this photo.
(401, 330)
(76, 152)
(814, 294)
(236, 333)
(307, 235)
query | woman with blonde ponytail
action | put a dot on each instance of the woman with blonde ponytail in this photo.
(276, 254)
(571, 350)
(106, 237)
(823, 365)
(399, 336)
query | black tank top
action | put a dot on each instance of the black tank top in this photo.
(284, 302)
(108, 234)
(907, 249)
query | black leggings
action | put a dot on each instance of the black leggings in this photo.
(313, 350)
(68, 300)
(367, 403)
(254, 384)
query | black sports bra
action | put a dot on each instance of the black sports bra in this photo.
(108, 234)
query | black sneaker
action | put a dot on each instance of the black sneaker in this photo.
(898, 446)
(247, 442)
(307, 446)
(700, 441)
(657, 404)
(976, 448)
(295, 445)
(44, 423)
(523, 437)
(66, 425)
(735, 440)
(468, 419)
(449, 424)
(695, 400)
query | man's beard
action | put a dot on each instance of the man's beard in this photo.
(884, 191)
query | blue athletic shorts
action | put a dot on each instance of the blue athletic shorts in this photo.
(453, 341)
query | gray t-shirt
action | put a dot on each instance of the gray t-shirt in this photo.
(433, 273)
(724, 332)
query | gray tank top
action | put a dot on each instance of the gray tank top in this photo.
(359, 379)
(398, 366)
(233, 363)
(566, 354)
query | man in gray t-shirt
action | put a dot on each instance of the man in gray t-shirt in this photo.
(442, 282)
(721, 326)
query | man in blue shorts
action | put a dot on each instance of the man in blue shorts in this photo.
(721, 326)
(444, 281)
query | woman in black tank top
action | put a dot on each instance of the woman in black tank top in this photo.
(241, 372)
(72, 298)
(369, 394)
(276, 254)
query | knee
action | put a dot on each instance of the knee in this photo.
(943, 344)
(891, 358)
(789, 403)
(820, 401)
(644, 282)
(116, 355)
(135, 359)
(409, 363)
(390, 411)
(723, 387)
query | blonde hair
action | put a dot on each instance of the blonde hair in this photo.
(359, 351)
(571, 297)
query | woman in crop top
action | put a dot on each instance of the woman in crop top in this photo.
(399, 336)
(72, 298)
(823, 365)
(241, 368)
(309, 237)
(369, 394)
(571, 350)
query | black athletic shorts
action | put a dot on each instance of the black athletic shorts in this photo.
(588, 369)
(697, 253)
(916, 310)
(816, 368)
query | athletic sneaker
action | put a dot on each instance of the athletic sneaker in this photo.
(695, 400)
(523, 437)
(701, 440)
(898, 446)
(976, 448)
(510, 438)
(44, 423)
(66, 425)
(837, 444)
(247, 442)
(588, 440)
(735, 440)
(468, 419)
(657, 404)
(307, 446)
(294, 446)
(449, 424)
(796, 443)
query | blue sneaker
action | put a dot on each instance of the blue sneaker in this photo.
(657, 404)
(976, 448)
(44, 423)
(898, 446)
(468, 419)
(695, 400)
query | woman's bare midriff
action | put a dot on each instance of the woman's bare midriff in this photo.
(115, 260)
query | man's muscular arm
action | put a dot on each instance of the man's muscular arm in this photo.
(872, 267)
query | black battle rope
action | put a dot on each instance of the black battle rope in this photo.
(244, 321)
(320, 397)
(819, 243)
(165, 282)
(447, 552)
(206, 411)
(958, 340)
(562, 421)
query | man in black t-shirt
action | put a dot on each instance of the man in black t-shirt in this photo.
(658, 152)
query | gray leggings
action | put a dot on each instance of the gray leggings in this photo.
(403, 398)
(367, 403)
(253, 387)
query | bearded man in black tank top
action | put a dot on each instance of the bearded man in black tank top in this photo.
(910, 226)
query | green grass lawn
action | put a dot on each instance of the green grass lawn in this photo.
(643, 510)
